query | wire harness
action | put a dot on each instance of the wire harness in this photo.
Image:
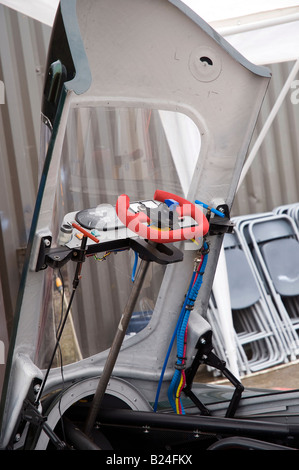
(180, 333)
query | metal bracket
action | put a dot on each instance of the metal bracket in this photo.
(32, 415)
(220, 225)
(44, 246)
(206, 356)
(57, 257)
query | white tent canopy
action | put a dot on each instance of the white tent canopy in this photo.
(41, 10)
(265, 31)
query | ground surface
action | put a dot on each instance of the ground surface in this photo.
(283, 377)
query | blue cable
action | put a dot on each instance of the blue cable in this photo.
(171, 344)
(134, 267)
(210, 208)
(191, 298)
(180, 351)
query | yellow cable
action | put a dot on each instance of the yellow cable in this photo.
(177, 397)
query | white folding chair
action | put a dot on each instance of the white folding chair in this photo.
(274, 243)
(256, 331)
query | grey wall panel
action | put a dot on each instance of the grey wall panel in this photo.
(23, 49)
(273, 178)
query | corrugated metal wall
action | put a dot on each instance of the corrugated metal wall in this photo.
(272, 180)
(274, 175)
(23, 48)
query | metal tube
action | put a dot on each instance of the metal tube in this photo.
(206, 424)
(245, 443)
(77, 438)
(115, 348)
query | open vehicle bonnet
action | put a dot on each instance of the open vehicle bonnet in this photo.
(142, 100)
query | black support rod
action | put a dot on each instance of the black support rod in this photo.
(115, 348)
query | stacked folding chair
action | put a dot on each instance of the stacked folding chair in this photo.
(274, 244)
(242, 229)
(258, 341)
(289, 209)
(262, 257)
